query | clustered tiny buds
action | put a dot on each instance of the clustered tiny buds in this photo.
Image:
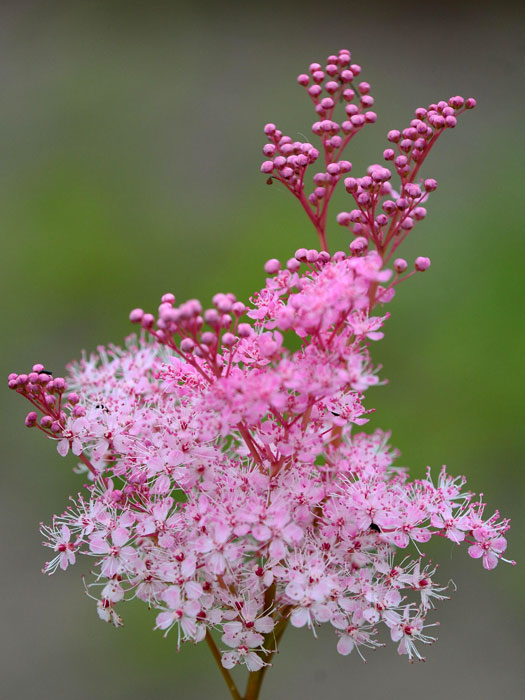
(381, 215)
(231, 487)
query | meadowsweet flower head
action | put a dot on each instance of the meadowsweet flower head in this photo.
(231, 486)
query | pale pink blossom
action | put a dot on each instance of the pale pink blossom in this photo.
(59, 540)
(231, 487)
(487, 546)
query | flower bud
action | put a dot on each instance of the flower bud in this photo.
(343, 218)
(400, 265)
(229, 339)
(31, 419)
(272, 266)
(300, 254)
(187, 345)
(239, 308)
(148, 320)
(312, 255)
(60, 384)
(244, 330)
(208, 338)
(359, 245)
(421, 264)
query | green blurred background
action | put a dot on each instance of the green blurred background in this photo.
(131, 136)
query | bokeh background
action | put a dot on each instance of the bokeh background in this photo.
(130, 151)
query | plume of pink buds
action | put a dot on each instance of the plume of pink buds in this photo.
(231, 485)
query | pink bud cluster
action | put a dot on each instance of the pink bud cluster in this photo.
(231, 487)
(288, 160)
(382, 215)
(55, 411)
(193, 332)
(412, 145)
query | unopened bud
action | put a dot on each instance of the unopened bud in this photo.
(421, 264)
(136, 315)
(31, 419)
(187, 345)
(272, 266)
(400, 265)
(229, 339)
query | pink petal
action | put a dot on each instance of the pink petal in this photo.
(172, 596)
(192, 608)
(76, 447)
(188, 567)
(476, 551)
(421, 534)
(401, 539)
(193, 590)
(164, 620)
(277, 549)
(63, 447)
(98, 546)
(455, 535)
(402, 648)
(217, 563)
(396, 633)
(188, 626)
(261, 532)
(253, 639)
(300, 617)
(293, 533)
(264, 624)
(120, 536)
(229, 659)
(253, 661)
(499, 545)
(345, 645)
(490, 561)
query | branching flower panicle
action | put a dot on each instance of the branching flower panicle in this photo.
(231, 486)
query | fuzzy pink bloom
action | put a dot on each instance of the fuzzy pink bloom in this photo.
(230, 485)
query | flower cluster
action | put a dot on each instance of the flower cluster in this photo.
(382, 216)
(403, 210)
(231, 485)
(290, 159)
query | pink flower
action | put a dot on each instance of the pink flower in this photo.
(229, 488)
(119, 556)
(182, 613)
(407, 629)
(489, 547)
(60, 542)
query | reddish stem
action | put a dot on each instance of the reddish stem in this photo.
(225, 673)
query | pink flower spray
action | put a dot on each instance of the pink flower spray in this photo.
(230, 487)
